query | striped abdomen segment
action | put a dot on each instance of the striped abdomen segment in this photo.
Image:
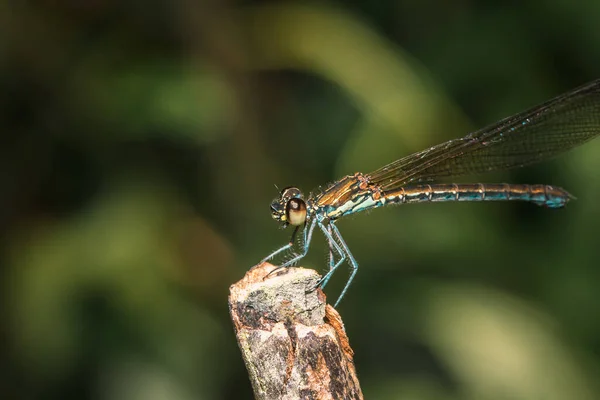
(542, 195)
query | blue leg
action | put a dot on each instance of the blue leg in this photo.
(331, 257)
(284, 248)
(306, 244)
(351, 261)
(332, 244)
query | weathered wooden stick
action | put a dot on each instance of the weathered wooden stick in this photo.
(293, 344)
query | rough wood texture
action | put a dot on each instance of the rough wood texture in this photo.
(294, 346)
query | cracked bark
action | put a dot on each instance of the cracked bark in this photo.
(293, 344)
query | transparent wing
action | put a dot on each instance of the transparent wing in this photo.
(526, 138)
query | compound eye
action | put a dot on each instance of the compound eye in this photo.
(295, 211)
(277, 211)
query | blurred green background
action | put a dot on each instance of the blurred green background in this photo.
(141, 141)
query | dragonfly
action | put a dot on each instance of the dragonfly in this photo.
(531, 136)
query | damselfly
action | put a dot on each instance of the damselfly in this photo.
(526, 138)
